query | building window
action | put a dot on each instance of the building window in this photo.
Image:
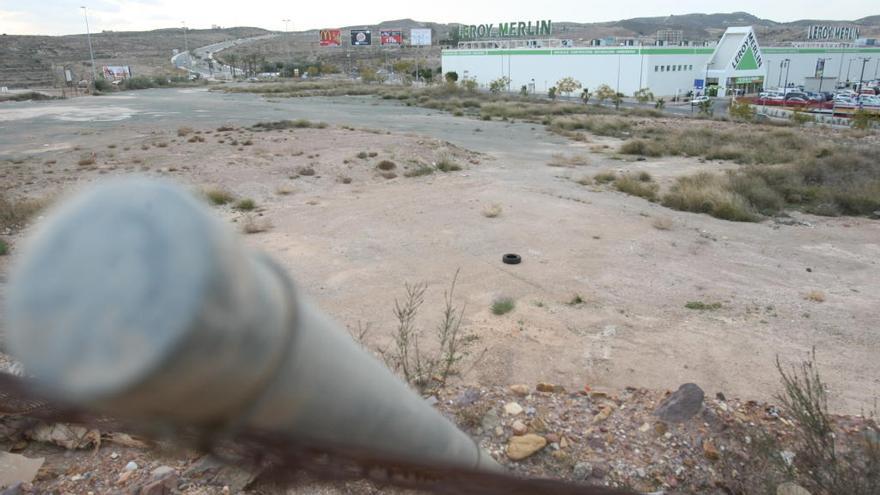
(679, 67)
(661, 68)
(690, 67)
(667, 68)
(656, 68)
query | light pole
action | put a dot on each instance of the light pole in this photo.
(91, 52)
(848, 68)
(862, 74)
(779, 81)
(785, 88)
(186, 45)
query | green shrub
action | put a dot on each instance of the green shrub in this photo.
(642, 147)
(4, 248)
(419, 171)
(701, 306)
(502, 305)
(447, 165)
(605, 177)
(245, 204)
(386, 165)
(219, 196)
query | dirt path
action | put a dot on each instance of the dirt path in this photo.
(352, 246)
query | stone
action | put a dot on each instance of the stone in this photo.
(490, 421)
(552, 437)
(710, 451)
(124, 477)
(162, 472)
(519, 428)
(681, 405)
(524, 446)
(131, 466)
(550, 388)
(604, 412)
(520, 389)
(499, 431)
(582, 471)
(563, 443)
(164, 486)
(468, 397)
(790, 488)
(644, 428)
(513, 409)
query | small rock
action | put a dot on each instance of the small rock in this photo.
(660, 428)
(681, 405)
(710, 451)
(499, 431)
(563, 443)
(550, 388)
(520, 389)
(790, 488)
(582, 471)
(114, 455)
(640, 472)
(787, 457)
(131, 466)
(552, 437)
(519, 428)
(720, 396)
(604, 412)
(162, 472)
(644, 428)
(124, 477)
(513, 409)
(521, 447)
(490, 421)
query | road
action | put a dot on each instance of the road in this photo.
(203, 62)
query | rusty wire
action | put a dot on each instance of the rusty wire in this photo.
(281, 458)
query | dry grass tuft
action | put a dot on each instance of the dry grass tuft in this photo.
(815, 296)
(253, 225)
(560, 160)
(386, 165)
(184, 131)
(15, 213)
(492, 210)
(87, 160)
(219, 196)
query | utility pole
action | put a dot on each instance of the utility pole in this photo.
(186, 45)
(91, 52)
(784, 89)
(862, 74)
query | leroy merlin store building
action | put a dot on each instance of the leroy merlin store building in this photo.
(737, 62)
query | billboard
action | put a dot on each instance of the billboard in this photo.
(116, 72)
(392, 37)
(331, 37)
(361, 37)
(820, 68)
(420, 37)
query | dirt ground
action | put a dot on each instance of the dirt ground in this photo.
(351, 238)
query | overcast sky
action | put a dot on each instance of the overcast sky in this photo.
(65, 16)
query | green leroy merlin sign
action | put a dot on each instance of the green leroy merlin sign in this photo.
(505, 30)
(749, 56)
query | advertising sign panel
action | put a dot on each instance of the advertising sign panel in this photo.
(393, 37)
(832, 33)
(820, 67)
(114, 72)
(331, 37)
(361, 37)
(420, 37)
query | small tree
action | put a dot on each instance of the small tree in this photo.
(551, 93)
(499, 85)
(706, 108)
(451, 77)
(524, 90)
(617, 99)
(403, 66)
(470, 85)
(604, 92)
(644, 95)
(567, 85)
(864, 120)
(741, 110)
(231, 59)
(585, 96)
(660, 104)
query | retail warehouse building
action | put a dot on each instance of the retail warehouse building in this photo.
(736, 62)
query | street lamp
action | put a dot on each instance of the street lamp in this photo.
(862, 74)
(185, 44)
(785, 88)
(91, 52)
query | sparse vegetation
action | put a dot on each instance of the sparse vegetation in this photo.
(605, 177)
(289, 124)
(560, 160)
(218, 196)
(427, 365)
(16, 213)
(419, 171)
(445, 164)
(502, 306)
(4, 248)
(305, 171)
(815, 296)
(702, 306)
(252, 224)
(283, 191)
(576, 300)
(87, 160)
(245, 204)
(363, 155)
(386, 165)
(492, 210)
(184, 131)
(641, 185)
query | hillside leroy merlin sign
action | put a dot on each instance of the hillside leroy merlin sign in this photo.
(749, 56)
(505, 30)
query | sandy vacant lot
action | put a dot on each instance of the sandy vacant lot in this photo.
(352, 237)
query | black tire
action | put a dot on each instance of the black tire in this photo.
(511, 259)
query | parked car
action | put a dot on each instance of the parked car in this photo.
(699, 99)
